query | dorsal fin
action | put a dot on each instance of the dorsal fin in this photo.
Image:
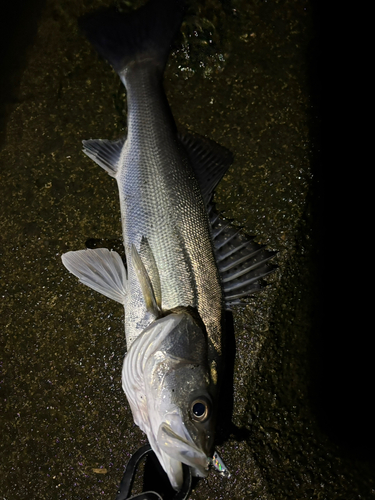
(209, 160)
(242, 263)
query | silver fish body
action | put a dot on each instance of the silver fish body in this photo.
(184, 265)
(161, 203)
(165, 219)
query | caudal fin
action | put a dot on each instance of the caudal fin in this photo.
(145, 33)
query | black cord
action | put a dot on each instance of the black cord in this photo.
(128, 478)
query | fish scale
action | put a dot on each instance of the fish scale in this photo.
(160, 200)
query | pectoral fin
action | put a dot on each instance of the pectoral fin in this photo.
(145, 282)
(149, 261)
(99, 269)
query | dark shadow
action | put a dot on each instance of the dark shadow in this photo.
(342, 374)
(155, 479)
(18, 27)
(225, 404)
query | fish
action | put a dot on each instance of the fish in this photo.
(185, 265)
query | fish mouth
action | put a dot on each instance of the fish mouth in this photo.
(183, 450)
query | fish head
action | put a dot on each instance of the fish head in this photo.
(178, 413)
(181, 409)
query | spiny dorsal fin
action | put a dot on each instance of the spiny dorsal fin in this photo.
(209, 160)
(99, 269)
(242, 263)
(105, 153)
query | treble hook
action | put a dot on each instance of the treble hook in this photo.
(128, 477)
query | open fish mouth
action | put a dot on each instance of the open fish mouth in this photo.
(183, 449)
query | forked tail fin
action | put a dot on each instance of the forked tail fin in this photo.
(144, 34)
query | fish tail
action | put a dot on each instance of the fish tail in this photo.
(139, 36)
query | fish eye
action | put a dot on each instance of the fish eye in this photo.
(200, 409)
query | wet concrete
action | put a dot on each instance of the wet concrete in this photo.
(66, 427)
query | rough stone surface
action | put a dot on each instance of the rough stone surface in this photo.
(66, 428)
